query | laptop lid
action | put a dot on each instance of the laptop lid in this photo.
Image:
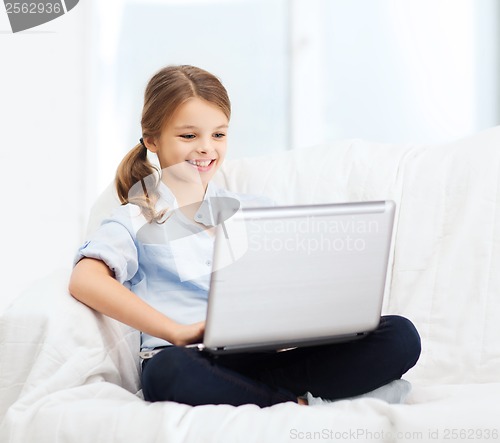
(298, 275)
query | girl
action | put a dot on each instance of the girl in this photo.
(149, 266)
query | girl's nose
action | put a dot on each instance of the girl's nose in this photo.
(205, 147)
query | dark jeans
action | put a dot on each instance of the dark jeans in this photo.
(187, 375)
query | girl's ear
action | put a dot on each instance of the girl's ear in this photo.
(151, 144)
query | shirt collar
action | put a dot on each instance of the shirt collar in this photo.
(205, 213)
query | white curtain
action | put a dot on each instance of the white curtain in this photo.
(421, 71)
(300, 72)
(105, 130)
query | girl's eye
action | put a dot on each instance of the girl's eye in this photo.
(219, 135)
(188, 136)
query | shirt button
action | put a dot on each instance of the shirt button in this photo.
(208, 262)
(199, 216)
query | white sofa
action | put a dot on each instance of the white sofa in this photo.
(71, 375)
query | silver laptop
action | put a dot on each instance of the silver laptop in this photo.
(295, 276)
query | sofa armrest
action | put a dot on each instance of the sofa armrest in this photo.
(49, 341)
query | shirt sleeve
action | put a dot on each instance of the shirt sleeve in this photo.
(113, 243)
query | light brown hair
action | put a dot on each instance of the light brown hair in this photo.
(165, 92)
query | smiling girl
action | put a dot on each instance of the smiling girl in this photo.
(149, 265)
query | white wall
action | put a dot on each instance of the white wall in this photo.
(42, 122)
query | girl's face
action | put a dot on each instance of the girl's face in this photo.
(192, 145)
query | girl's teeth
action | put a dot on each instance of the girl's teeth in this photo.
(200, 163)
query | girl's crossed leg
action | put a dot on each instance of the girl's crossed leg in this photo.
(187, 375)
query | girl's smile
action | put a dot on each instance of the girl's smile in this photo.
(202, 165)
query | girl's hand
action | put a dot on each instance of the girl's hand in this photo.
(187, 334)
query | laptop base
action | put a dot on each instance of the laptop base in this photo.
(278, 347)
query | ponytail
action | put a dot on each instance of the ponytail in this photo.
(137, 182)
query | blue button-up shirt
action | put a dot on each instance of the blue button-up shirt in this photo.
(167, 264)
